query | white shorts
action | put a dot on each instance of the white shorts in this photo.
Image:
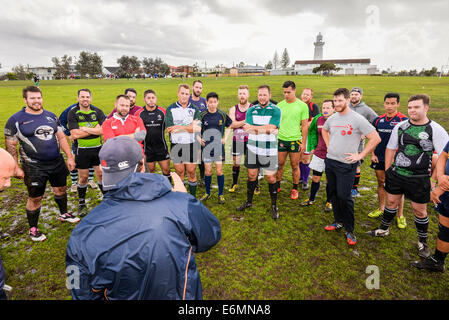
(317, 164)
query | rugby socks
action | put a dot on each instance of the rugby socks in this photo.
(439, 256)
(388, 217)
(61, 201)
(272, 187)
(207, 183)
(91, 174)
(250, 187)
(314, 190)
(192, 187)
(33, 217)
(305, 171)
(356, 180)
(278, 185)
(235, 174)
(220, 180)
(82, 193)
(74, 176)
(422, 224)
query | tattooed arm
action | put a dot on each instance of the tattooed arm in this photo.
(11, 147)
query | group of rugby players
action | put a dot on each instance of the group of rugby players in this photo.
(409, 155)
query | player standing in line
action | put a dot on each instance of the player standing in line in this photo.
(123, 123)
(262, 124)
(74, 172)
(292, 135)
(314, 110)
(156, 150)
(183, 123)
(133, 109)
(408, 163)
(361, 108)
(41, 137)
(384, 126)
(198, 101)
(342, 133)
(84, 122)
(317, 146)
(213, 126)
(237, 114)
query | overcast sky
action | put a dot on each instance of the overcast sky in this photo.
(404, 34)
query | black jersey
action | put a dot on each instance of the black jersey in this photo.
(154, 122)
(36, 134)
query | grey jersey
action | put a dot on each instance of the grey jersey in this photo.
(345, 133)
(368, 113)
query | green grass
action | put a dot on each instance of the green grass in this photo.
(257, 258)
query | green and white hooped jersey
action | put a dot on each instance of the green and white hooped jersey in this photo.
(415, 145)
(176, 115)
(263, 144)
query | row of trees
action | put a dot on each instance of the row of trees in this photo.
(413, 73)
(277, 61)
(87, 64)
(131, 65)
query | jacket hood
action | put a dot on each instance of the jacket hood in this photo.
(141, 187)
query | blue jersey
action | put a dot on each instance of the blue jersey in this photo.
(446, 169)
(384, 127)
(200, 104)
(36, 134)
(213, 125)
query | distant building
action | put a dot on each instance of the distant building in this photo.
(108, 71)
(184, 70)
(251, 69)
(348, 66)
(212, 70)
(44, 73)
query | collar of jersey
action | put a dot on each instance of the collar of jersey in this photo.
(179, 105)
(115, 116)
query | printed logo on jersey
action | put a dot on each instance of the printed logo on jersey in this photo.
(51, 120)
(423, 135)
(93, 117)
(44, 133)
(190, 111)
(347, 130)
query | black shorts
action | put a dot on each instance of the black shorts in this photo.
(417, 189)
(211, 153)
(156, 155)
(184, 153)
(443, 207)
(239, 148)
(37, 175)
(253, 161)
(86, 158)
(378, 166)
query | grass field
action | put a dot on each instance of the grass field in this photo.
(257, 258)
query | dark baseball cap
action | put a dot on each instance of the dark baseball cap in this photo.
(119, 158)
(357, 89)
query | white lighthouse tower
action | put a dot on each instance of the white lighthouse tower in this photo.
(318, 53)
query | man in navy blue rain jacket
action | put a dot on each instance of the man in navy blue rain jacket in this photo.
(139, 242)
